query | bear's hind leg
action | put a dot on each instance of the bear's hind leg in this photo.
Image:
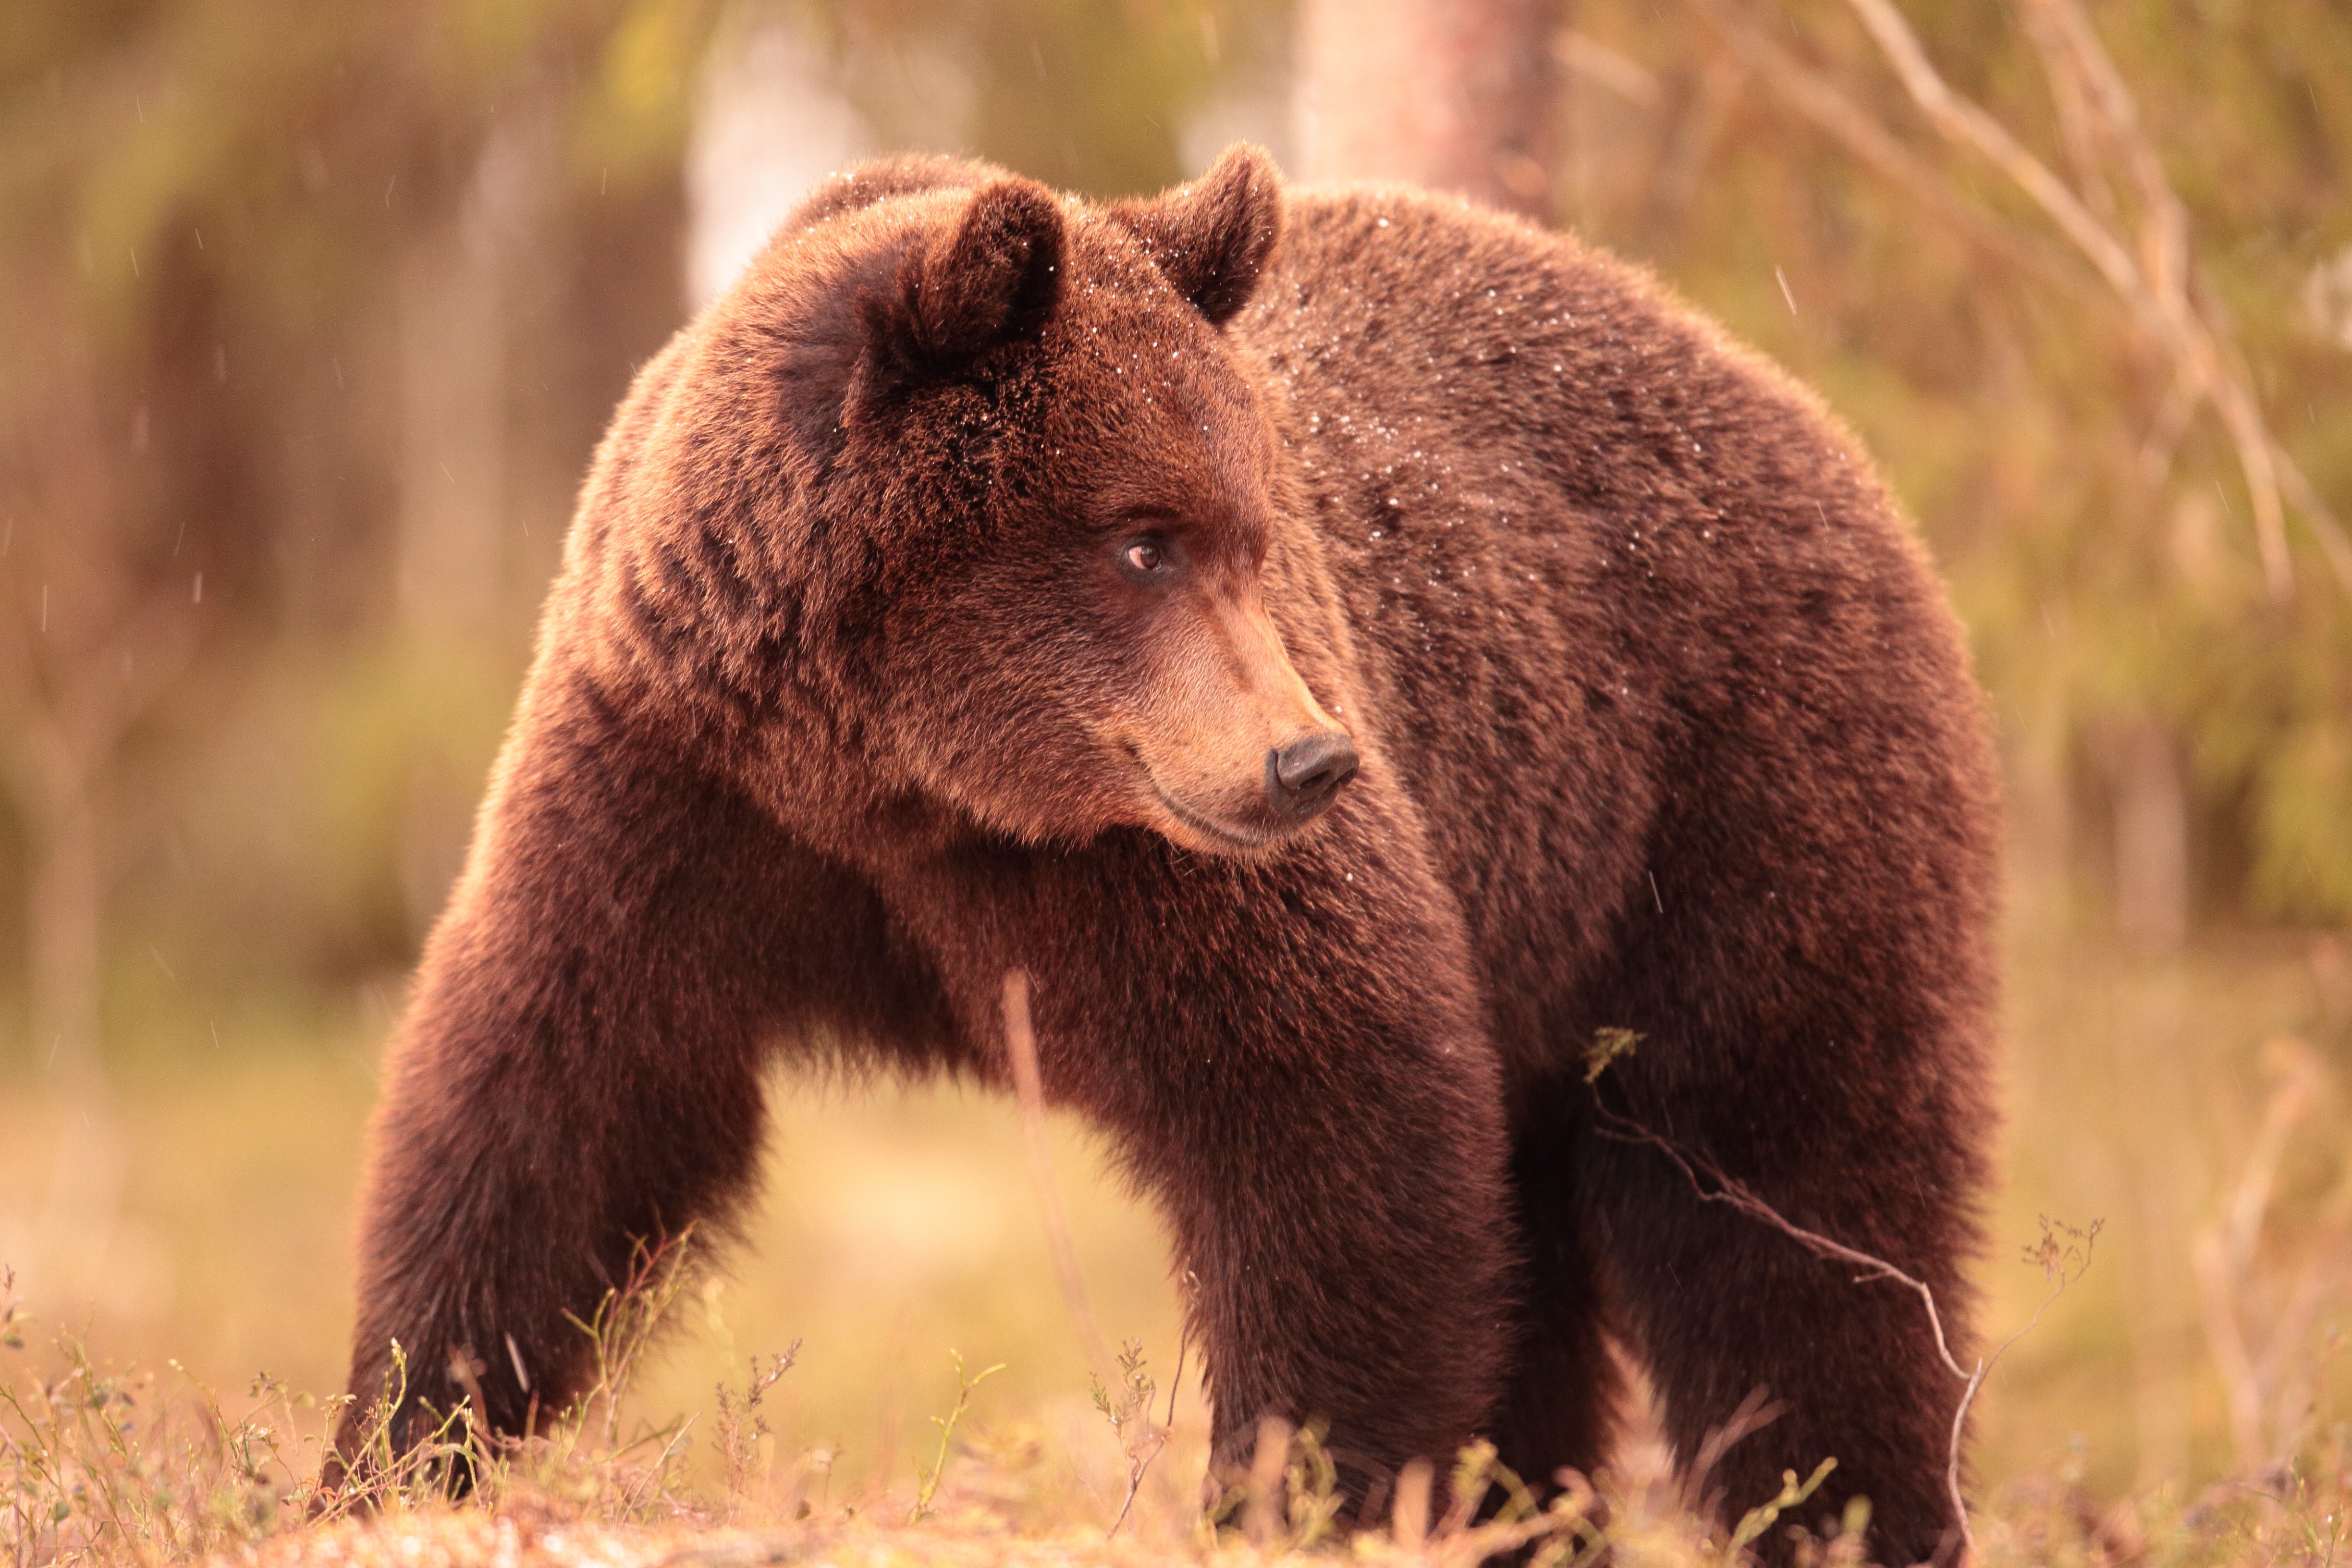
(1725, 1304)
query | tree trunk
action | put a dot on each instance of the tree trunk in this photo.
(2152, 828)
(452, 435)
(1453, 94)
(66, 904)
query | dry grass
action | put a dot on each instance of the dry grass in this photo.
(103, 1468)
(107, 1469)
(2174, 1407)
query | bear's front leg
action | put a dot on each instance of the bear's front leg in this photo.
(1349, 1235)
(578, 1073)
(1303, 1079)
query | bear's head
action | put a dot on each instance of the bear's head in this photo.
(1014, 490)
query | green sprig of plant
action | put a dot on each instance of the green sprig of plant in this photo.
(1129, 1415)
(1608, 1046)
(1762, 1518)
(947, 1426)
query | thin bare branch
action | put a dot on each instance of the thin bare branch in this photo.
(1962, 120)
(1730, 1191)
(1712, 1184)
(1819, 100)
(2233, 400)
(2062, 31)
(2082, 127)
(2153, 285)
(2326, 526)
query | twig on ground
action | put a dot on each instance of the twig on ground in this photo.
(1131, 1406)
(1021, 1045)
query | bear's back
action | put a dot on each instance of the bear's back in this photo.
(1589, 545)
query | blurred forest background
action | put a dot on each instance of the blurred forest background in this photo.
(309, 315)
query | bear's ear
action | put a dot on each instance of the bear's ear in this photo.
(997, 278)
(1212, 239)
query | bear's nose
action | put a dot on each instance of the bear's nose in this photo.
(1307, 774)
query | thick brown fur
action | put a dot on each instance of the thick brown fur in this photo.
(856, 690)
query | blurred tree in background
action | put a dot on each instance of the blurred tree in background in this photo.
(257, 457)
(1458, 95)
(2176, 709)
(312, 315)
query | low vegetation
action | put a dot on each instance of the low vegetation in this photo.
(2177, 1405)
(107, 1466)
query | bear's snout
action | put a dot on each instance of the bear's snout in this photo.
(1307, 775)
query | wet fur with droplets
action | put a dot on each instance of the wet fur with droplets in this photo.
(845, 704)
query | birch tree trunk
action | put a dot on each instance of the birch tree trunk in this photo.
(1453, 94)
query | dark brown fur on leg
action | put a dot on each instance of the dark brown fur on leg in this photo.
(1560, 1410)
(1847, 1100)
(1849, 1367)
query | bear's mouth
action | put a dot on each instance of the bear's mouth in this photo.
(1211, 829)
(1223, 834)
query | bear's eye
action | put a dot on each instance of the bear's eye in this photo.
(1144, 558)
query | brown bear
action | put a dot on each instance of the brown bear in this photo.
(1353, 650)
